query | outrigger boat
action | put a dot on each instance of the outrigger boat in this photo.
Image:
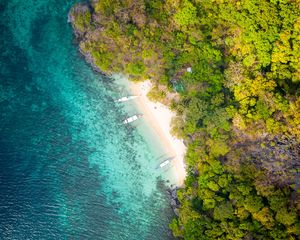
(166, 162)
(125, 99)
(132, 119)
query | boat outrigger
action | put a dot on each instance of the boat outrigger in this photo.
(125, 99)
(132, 119)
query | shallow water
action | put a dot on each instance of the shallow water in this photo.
(69, 169)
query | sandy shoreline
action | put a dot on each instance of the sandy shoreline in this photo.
(159, 117)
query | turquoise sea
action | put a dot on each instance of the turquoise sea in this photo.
(69, 168)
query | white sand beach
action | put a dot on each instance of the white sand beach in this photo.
(159, 117)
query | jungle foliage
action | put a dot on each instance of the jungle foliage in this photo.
(239, 108)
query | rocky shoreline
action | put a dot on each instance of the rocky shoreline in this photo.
(175, 204)
(79, 35)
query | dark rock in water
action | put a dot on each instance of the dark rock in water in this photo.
(174, 193)
(175, 204)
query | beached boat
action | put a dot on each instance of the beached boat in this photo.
(132, 119)
(125, 99)
(165, 163)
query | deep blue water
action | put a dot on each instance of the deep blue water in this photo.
(68, 168)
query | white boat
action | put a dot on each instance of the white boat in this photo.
(132, 119)
(165, 163)
(125, 99)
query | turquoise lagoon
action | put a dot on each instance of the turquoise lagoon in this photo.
(69, 168)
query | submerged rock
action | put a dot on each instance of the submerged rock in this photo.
(175, 204)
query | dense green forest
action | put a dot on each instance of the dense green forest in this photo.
(238, 110)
